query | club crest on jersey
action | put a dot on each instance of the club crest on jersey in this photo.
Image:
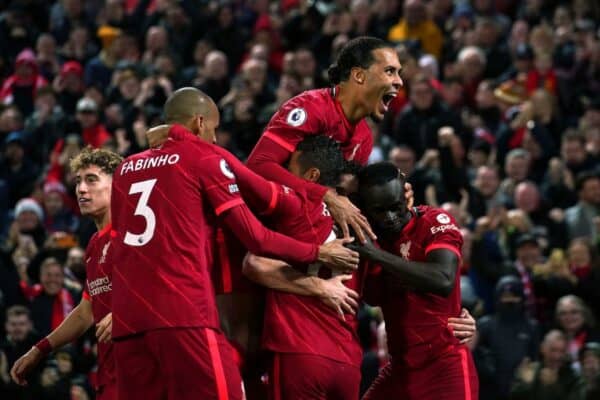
(104, 252)
(225, 169)
(405, 250)
(443, 218)
(296, 117)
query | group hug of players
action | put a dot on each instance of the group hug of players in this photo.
(205, 270)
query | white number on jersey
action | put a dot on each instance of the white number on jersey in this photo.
(142, 209)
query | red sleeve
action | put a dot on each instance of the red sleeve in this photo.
(443, 234)
(263, 242)
(86, 295)
(294, 120)
(219, 184)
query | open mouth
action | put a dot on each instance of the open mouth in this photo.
(82, 200)
(386, 99)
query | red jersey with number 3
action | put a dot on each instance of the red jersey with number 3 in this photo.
(417, 323)
(303, 324)
(163, 206)
(318, 112)
(98, 290)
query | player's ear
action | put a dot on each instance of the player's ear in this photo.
(312, 174)
(358, 75)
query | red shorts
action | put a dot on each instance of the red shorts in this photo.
(450, 377)
(107, 392)
(310, 377)
(176, 363)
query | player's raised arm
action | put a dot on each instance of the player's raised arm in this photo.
(75, 324)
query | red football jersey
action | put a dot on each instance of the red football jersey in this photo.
(98, 290)
(417, 323)
(303, 324)
(310, 113)
(163, 202)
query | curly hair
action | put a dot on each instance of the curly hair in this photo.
(106, 160)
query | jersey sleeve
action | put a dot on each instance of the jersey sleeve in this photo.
(219, 183)
(296, 119)
(443, 233)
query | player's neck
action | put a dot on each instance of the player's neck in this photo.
(353, 110)
(102, 220)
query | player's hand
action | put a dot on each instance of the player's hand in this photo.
(338, 296)
(365, 249)
(337, 256)
(463, 327)
(347, 214)
(157, 135)
(24, 365)
(104, 329)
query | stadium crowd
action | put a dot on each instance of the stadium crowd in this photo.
(498, 123)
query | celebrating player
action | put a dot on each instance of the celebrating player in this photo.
(421, 290)
(162, 293)
(366, 76)
(93, 174)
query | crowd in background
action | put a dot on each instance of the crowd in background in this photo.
(498, 122)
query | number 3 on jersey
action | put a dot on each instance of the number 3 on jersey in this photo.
(142, 209)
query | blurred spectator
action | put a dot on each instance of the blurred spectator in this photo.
(484, 194)
(504, 340)
(575, 320)
(573, 152)
(582, 218)
(552, 377)
(17, 169)
(516, 169)
(471, 66)
(50, 301)
(589, 357)
(215, 78)
(58, 217)
(417, 126)
(488, 34)
(584, 263)
(69, 85)
(416, 25)
(93, 131)
(21, 87)
(100, 68)
(46, 56)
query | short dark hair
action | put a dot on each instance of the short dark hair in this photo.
(324, 153)
(379, 174)
(357, 52)
(583, 177)
(17, 311)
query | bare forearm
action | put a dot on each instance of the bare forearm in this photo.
(422, 276)
(75, 324)
(280, 276)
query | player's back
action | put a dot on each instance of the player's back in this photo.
(302, 324)
(417, 323)
(316, 112)
(161, 214)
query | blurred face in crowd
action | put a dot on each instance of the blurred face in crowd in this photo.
(414, 12)
(51, 278)
(554, 351)
(573, 152)
(27, 221)
(529, 254)
(18, 327)
(590, 365)
(156, 38)
(590, 192)
(487, 181)
(305, 64)
(562, 17)
(472, 67)
(485, 96)
(46, 45)
(72, 7)
(215, 65)
(87, 119)
(129, 87)
(201, 50)
(421, 96)
(579, 254)
(93, 188)
(10, 120)
(569, 315)
(403, 158)
(14, 153)
(53, 202)
(75, 261)
(486, 33)
(517, 168)
(527, 197)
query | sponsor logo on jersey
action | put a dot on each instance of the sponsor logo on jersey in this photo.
(100, 285)
(444, 228)
(296, 117)
(233, 188)
(225, 169)
(104, 252)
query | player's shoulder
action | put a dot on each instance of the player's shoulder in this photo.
(311, 101)
(435, 220)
